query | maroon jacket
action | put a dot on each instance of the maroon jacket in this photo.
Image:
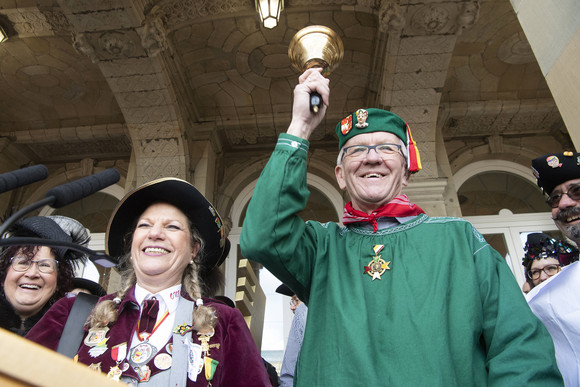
(240, 363)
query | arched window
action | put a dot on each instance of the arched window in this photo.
(501, 199)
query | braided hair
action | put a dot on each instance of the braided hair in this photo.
(205, 317)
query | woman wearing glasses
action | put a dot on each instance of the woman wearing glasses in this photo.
(34, 277)
(545, 256)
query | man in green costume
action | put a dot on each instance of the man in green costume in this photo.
(395, 298)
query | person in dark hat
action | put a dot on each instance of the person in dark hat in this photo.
(34, 277)
(295, 336)
(395, 297)
(555, 302)
(294, 300)
(80, 235)
(159, 328)
(545, 256)
(558, 175)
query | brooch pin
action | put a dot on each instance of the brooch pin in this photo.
(182, 329)
(377, 266)
(361, 118)
(346, 125)
(553, 161)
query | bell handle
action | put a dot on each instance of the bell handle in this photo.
(315, 102)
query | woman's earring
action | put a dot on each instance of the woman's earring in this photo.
(191, 262)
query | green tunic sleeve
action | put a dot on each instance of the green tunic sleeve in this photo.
(518, 349)
(272, 232)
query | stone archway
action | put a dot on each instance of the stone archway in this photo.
(514, 206)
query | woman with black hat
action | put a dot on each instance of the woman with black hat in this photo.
(544, 257)
(35, 277)
(158, 328)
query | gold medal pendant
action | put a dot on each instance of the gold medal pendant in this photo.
(377, 266)
(115, 373)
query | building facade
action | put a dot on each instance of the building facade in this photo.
(200, 90)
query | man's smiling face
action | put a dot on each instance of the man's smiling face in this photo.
(373, 180)
(567, 214)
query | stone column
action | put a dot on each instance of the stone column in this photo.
(131, 49)
(552, 28)
(420, 42)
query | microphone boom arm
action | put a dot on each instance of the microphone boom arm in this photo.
(99, 258)
(23, 211)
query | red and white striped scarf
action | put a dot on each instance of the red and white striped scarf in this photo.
(399, 207)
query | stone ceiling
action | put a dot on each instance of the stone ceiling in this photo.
(85, 79)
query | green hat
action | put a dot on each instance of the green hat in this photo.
(554, 169)
(378, 120)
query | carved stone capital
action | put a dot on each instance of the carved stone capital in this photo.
(153, 37)
(431, 19)
(468, 15)
(82, 45)
(391, 17)
(117, 44)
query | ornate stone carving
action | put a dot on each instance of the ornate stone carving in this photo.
(467, 16)
(117, 44)
(158, 157)
(29, 22)
(327, 2)
(153, 37)
(57, 20)
(391, 18)
(82, 45)
(178, 11)
(431, 19)
(372, 4)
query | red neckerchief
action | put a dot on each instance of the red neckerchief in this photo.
(396, 208)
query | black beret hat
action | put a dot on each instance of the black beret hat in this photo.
(285, 290)
(182, 195)
(42, 227)
(554, 169)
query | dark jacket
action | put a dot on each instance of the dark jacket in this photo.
(11, 321)
(239, 360)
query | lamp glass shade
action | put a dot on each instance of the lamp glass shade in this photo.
(269, 11)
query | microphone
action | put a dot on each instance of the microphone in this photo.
(78, 189)
(24, 176)
(62, 195)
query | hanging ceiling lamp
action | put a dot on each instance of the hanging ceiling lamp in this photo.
(6, 29)
(269, 11)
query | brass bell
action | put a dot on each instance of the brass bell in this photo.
(316, 46)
